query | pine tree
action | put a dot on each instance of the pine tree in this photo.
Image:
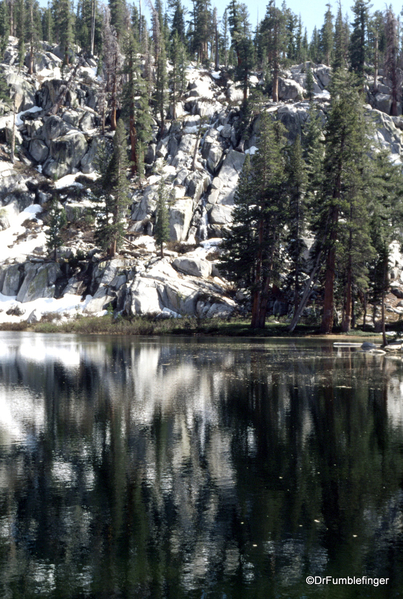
(326, 37)
(376, 43)
(346, 148)
(57, 221)
(386, 224)
(112, 193)
(32, 31)
(160, 94)
(64, 24)
(113, 64)
(117, 10)
(275, 41)
(4, 27)
(239, 254)
(177, 78)
(242, 43)
(391, 58)
(296, 188)
(135, 105)
(253, 246)
(161, 228)
(341, 41)
(310, 82)
(357, 49)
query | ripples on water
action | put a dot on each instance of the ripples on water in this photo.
(197, 468)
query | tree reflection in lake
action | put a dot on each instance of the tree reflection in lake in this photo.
(191, 468)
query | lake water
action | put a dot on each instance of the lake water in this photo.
(198, 468)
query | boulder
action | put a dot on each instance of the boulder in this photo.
(38, 150)
(383, 102)
(99, 301)
(65, 154)
(12, 280)
(196, 184)
(144, 297)
(180, 217)
(54, 127)
(214, 158)
(147, 205)
(24, 92)
(194, 266)
(289, 89)
(323, 74)
(88, 161)
(87, 122)
(38, 281)
(221, 215)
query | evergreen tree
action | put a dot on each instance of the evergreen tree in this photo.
(112, 193)
(259, 218)
(160, 94)
(275, 41)
(296, 188)
(341, 41)
(32, 31)
(112, 63)
(225, 36)
(357, 49)
(385, 226)
(4, 90)
(135, 105)
(391, 59)
(177, 76)
(64, 24)
(242, 44)
(376, 43)
(346, 149)
(177, 19)
(310, 82)
(161, 229)
(118, 11)
(57, 220)
(4, 27)
(326, 37)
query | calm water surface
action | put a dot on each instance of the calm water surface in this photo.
(179, 468)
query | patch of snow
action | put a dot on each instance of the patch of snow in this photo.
(190, 130)
(216, 74)
(153, 179)
(210, 243)
(10, 248)
(69, 305)
(146, 240)
(70, 180)
(252, 150)
(324, 95)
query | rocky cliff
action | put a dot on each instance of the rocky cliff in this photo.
(200, 157)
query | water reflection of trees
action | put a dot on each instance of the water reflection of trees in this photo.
(162, 469)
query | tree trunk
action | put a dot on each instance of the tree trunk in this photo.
(13, 132)
(307, 293)
(376, 64)
(133, 144)
(365, 312)
(385, 278)
(328, 302)
(345, 327)
(92, 26)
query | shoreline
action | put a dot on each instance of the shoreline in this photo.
(187, 326)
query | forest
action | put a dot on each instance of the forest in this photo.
(313, 219)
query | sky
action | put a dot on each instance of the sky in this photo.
(312, 12)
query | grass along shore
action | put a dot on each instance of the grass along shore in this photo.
(143, 325)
